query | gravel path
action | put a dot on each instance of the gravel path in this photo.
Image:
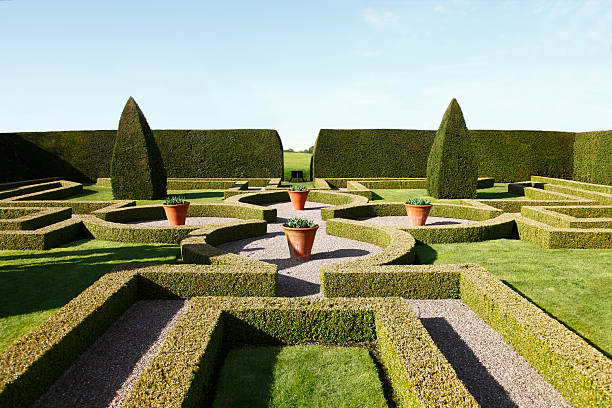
(490, 368)
(188, 221)
(404, 221)
(299, 278)
(104, 374)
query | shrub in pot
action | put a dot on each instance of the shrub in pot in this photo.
(300, 235)
(298, 196)
(176, 210)
(418, 211)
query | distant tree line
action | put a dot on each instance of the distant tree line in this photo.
(309, 150)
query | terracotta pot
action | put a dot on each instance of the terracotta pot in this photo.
(418, 214)
(298, 199)
(300, 241)
(176, 213)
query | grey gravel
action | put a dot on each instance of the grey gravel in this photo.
(489, 367)
(299, 278)
(404, 221)
(106, 372)
(188, 221)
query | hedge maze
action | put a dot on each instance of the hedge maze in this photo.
(232, 299)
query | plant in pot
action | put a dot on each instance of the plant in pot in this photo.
(298, 196)
(418, 210)
(300, 235)
(176, 209)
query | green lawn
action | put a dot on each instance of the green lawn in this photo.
(299, 376)
(498, 192)
(573, 285)
(98, 193)
(34, 284)
(297, 161)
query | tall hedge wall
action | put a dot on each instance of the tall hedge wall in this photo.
(593, 157)
(506, 155)
(85, 155)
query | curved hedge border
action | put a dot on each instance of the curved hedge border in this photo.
(181, 374)
(492, 223)
(577, 370)
(338, 199)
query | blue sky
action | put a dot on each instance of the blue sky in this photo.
(298, 66)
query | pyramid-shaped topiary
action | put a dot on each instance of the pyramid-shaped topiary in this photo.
(452, 171)
(137, 169)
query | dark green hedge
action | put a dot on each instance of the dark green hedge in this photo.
(603, 198)
(506, 155)
(86, 155)
(182, 372)
(593, 157)
(578, 371)
(31, 364)
(452, 170)
(137, 169)
(571, 183)
(33, 218)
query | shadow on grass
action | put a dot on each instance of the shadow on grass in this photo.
(246, 377)
(48, 280)
(425, 254)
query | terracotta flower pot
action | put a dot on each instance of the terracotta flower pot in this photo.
(298, 199)
(300, 241)
(418, 214)
(176, 213)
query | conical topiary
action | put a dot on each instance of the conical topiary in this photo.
(137, 169)
(452, 171)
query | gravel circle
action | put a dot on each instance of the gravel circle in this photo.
(404, 221)
(106, 372)
(188, 221)
(488, 366)
(297, 278)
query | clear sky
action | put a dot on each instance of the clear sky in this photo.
(298, 66)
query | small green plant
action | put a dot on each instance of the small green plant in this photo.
(175, 199)
(299, 223)
(298, 188)
(418, 201)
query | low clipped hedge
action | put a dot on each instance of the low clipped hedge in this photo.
(47, 191)
(190, 280)
(31, 218)
(175, 183)
(114, 231)
(514, 206)
(21, 190)
(199, 247)
(42, 238)
(593, 157)
(387, 183)
(607, 189)
(78, 207)
(33, 363)
(576, 369)
(182, 373)
(582, 217)
(602, 198)
(16, 184)
(86, 155)
(547, 236)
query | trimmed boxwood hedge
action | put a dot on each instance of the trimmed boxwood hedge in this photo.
(505, 155)
(45, 237)
(582, 217)
(137, 169)
(31, 218)
(45, 191)
(607, 189)
(452, 170)
(85, 155)
(593, 157)
(603, 198)
(547, 236)
(31, 364)
(78, 207)
(182, 372)
(582, 374)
